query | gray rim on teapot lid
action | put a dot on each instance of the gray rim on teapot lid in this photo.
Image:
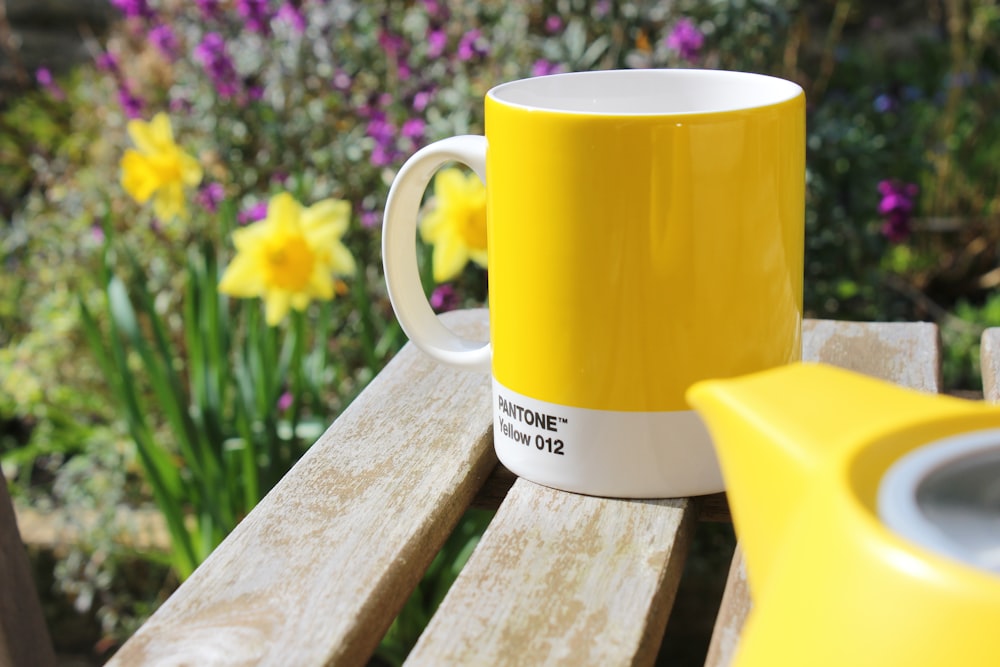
(945, 496)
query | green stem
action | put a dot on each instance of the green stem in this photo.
(363, 303)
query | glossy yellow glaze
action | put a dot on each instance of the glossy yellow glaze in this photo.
(685, 230)
(803, 449)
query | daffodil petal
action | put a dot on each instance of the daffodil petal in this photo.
(138, 178)
(249, 237)
(321, 285)
(276, 306)
(141, 134)
(168, 203)
(162, 133)
(341, 260)
(432, 225)
(479, 257)
(283, 211)
(448, 259)
(191, 172)
(242, 278)
(450, 184)
(332, 216)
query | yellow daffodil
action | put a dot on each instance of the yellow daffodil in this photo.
(456, 225)
(291, 256)
(158, 168)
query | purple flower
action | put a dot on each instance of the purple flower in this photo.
(444, 298)
(379, 128)
(342, 81)
(543, 67)
(437, 40)
(257, 15)
(134, 9)
(370, 219)
(255, 92)
(131, 103)
(390, 43)
(896, 207)
(209, 8)
(473, 44)
(434, 8)
(181, 105)
(686, 39)
(421, 100)
(44, 78)
(414, 128)
(382, 155)
(285, 401)
(384, 133)
(164, 39)
(107, 62)
(291, 13)
(253, 214)
(210, 196)
(553, 24)
(97, 233)
(211, 53)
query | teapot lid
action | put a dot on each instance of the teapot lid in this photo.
(945, 496)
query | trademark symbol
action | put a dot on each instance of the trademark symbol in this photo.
(564, 420)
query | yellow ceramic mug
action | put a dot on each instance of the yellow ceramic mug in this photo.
(645, 231)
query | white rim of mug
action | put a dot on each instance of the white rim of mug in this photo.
(789, 90)
(897, 491)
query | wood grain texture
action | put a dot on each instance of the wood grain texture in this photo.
(563, 579)
(24, 639)
(989, 362)
(315, 574)
(908, 354)
(733, 610)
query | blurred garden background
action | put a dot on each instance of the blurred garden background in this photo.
(190, 201)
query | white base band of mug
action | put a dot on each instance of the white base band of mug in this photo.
(604, 452)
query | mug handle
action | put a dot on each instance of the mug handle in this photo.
(399, 252)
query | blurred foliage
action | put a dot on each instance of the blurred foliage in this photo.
(903, 91)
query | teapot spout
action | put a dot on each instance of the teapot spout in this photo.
(774, 432)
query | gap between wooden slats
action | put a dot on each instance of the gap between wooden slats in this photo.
(905, 353)
(316, 573)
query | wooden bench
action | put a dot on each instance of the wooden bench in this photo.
(317, 572)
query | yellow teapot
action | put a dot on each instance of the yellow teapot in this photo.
(849, 564)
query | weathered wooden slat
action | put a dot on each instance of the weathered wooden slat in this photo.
(905, 353)
(989, 364)
(24, 639)
(563, 579)
(732, 614)
(316, 573)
